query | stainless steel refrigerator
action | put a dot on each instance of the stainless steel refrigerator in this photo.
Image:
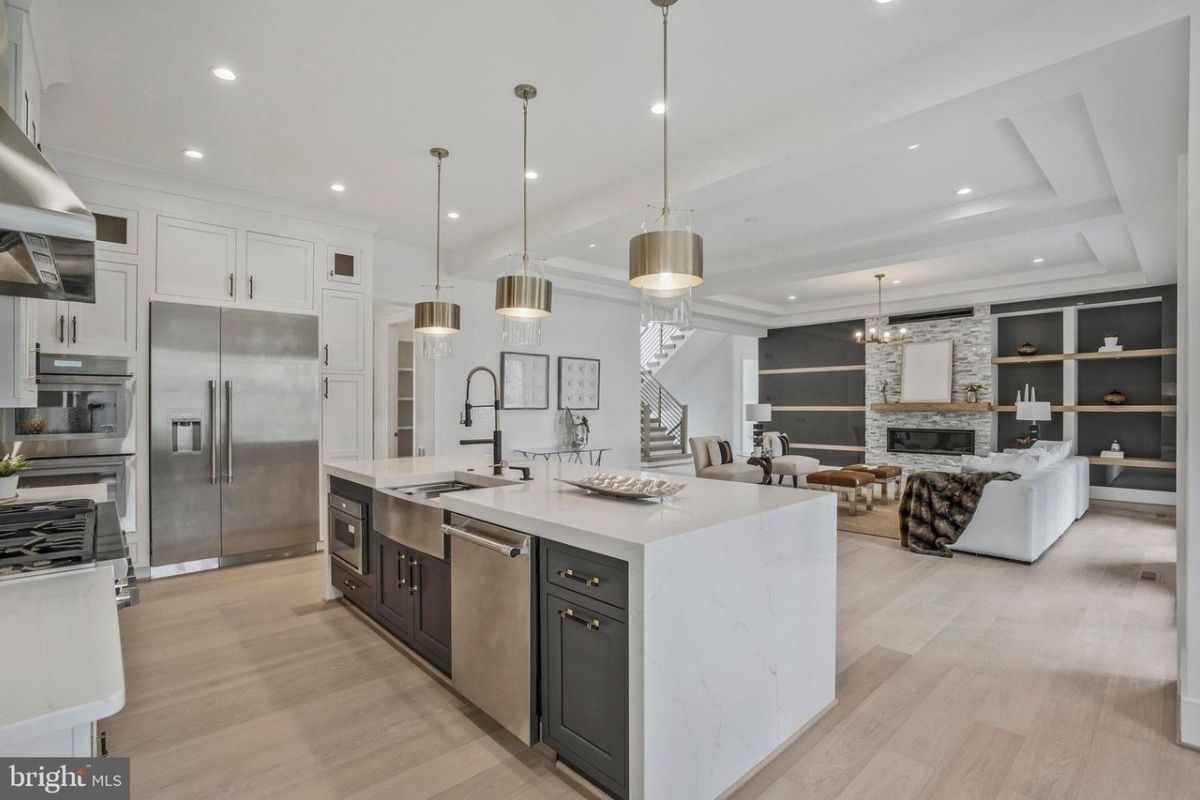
(234, 426)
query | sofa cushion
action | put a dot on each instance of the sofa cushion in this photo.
(742, 473)
(1024, 464)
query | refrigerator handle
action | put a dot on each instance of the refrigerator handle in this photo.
(229, 431)
(212, 430)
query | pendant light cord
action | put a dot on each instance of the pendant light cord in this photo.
(666, 132)
(437, 259)
(525, 185)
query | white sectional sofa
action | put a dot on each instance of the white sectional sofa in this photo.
(1021, 519)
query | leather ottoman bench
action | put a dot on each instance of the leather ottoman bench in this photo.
(848, 483)
(885, 475)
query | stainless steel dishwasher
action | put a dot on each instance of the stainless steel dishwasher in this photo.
(491, 612)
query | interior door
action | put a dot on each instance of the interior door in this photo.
(269, 496)
(185, 497)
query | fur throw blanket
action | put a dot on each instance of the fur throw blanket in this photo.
(938, 506)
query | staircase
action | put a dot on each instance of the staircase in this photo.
(664, 418)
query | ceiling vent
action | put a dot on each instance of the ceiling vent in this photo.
(930, 316)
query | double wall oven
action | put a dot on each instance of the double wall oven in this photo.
(79, 431)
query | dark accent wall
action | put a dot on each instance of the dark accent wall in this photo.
(814, 347)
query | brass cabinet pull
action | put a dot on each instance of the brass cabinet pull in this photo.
(569, 613)
(570, 573)
(413, 573)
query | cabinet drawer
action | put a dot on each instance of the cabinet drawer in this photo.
(589, 574)
(357, 590)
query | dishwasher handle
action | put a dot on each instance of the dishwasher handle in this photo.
(484, 541)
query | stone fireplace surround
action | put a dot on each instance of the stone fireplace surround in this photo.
(972, 364)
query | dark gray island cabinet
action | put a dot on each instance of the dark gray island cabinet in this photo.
(584, 686)
(413, 600)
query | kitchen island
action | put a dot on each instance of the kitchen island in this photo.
(729, 616)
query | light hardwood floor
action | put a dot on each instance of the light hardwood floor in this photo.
(958, 679)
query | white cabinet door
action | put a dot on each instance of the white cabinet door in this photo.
(343, 433)
(195, 259)
(108, 327)
(116, 228)
(343, 330)
(279, 271)
(50, 325)
(344, 265)
(18, 368)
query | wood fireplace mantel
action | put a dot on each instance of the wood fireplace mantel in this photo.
(943, 407)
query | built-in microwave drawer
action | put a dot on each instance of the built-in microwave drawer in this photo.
(354, 588)
(589, 574)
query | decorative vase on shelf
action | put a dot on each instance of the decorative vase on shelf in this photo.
(1115, 398)
(1115, 447)
(1110, 341)
(1027, 349)
(972, 396)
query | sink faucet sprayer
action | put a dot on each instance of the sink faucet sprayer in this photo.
(497, 450)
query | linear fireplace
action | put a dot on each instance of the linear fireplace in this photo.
(932, 441)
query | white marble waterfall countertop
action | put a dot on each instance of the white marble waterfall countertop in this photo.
(549, 508)
(62, 653)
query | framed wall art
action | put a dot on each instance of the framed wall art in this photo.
(578, 383)
(524, 381)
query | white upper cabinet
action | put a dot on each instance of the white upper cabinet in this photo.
(343, 330)
(344, 265)
(116, 228)
(195, 259)
(18, 364)
(106, 327)
(279, 271)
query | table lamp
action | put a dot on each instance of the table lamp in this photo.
(758, 413)
(1033, 412)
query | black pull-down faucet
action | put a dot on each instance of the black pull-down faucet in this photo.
(497, 449)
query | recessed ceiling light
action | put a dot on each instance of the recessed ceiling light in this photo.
(791, 297)
(190, 153)
(965, 191)
(337, 187)
(1039, 260)
(593, 244)
(224, 73)
(915, 146)
(452, 214)
(895, 281)
(531, 175)
(658, 108)
(882, 2)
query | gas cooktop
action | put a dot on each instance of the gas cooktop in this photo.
(45, 536)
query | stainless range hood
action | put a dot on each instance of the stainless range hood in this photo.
(47, 237)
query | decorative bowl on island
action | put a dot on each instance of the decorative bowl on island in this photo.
(630, 487)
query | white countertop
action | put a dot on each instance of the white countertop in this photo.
(62, 653)
(546, 507)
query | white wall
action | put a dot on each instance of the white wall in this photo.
(705, 374)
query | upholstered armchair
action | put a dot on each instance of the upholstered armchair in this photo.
(785, 463)
(738, 471)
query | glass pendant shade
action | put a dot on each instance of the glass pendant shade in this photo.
(667, 306)
(521, 332)
(437, 345)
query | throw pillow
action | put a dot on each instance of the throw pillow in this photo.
(719, 452)
(726, 452)
(785, 444)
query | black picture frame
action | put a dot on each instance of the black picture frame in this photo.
(562, 404)
(526, 395)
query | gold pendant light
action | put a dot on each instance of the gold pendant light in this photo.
(437, 319)
(524, 297)
(670, 259)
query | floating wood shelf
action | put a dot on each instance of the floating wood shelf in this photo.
(1156, 352)
(1100, 409)
(961, 407)
(852, 448)
(1122, 409)
(1144, 463)
(802, 370)
(819, 408)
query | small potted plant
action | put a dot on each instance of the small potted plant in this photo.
(10, 466)
(1110, 339)
(972, 391)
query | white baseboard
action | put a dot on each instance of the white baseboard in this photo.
(1189, 721)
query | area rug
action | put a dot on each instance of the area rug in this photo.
(883, 520)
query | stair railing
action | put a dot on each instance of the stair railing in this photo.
(655, 337)
(659, 404)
